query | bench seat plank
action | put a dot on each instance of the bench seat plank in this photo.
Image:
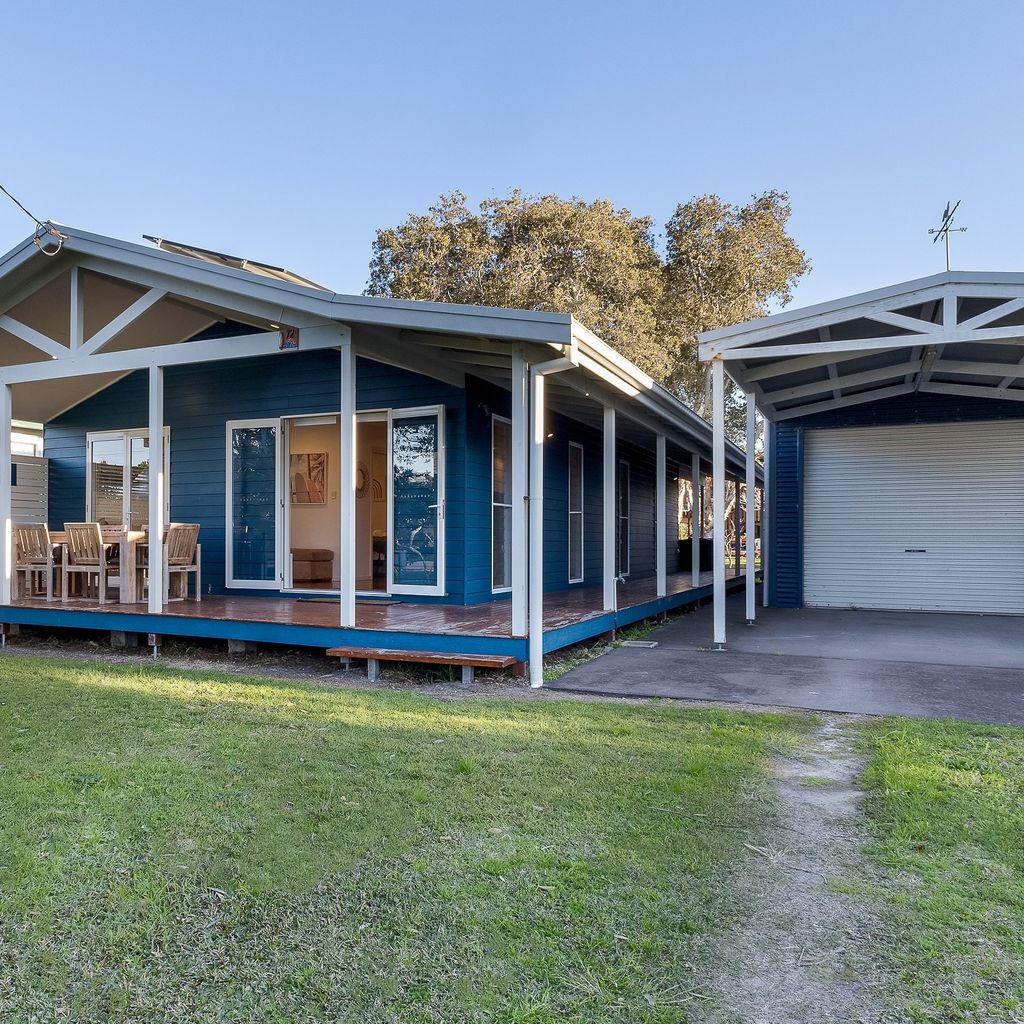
(424, 657)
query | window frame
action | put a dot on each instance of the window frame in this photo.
(495, 418)
(575, 512)
(622, 552)
(125, 436)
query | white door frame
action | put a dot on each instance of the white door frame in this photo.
(407, 588)
(229, 548)
(287, 582)
(284, 569)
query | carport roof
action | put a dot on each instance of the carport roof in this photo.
(956, 333)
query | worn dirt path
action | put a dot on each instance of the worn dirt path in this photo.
(803, 953)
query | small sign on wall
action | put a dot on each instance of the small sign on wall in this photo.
(289, 338)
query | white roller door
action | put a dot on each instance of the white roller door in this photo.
(924, 517)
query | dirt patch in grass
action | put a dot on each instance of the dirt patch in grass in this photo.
(803, 953)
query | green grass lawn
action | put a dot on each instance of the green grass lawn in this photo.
(193, 847)
(946, 813)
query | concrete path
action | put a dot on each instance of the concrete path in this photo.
(969, 667)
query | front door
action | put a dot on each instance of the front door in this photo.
(253, 503)
(417, 501)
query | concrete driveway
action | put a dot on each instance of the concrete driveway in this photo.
(931, 665)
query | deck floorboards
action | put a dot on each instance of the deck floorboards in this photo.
(491, 619)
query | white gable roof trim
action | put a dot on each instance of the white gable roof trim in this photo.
(958, 333)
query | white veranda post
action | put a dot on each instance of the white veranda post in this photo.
(750, 524)
(157, 478)
(6, 525)
(696, 518)
(609, 570)
(661, 536)
(347, 474)
(520, 460)
(718, 492)
(536, 641)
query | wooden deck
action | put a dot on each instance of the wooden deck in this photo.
(492, 618)
(569, 616)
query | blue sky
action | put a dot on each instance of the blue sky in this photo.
(290, 132)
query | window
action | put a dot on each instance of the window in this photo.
(501, 504)
(575, 512)
(622, 520)
(118, 478)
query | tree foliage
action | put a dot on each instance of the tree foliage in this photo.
(722, 264)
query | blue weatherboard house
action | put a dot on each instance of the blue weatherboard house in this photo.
(405, 478)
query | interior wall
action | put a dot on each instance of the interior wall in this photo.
(318, 526)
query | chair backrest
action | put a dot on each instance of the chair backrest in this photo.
(85, 543)
(32, 542)
(180, 543)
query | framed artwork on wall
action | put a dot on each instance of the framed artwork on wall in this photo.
(308, 474)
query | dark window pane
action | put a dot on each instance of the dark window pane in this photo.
(502, 553)
(414, 442)
(501, 461)
(254, 502)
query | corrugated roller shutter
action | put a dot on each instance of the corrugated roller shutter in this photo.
(927, 517)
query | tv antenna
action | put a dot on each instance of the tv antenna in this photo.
(946, 228)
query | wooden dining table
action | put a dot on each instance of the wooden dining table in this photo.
(130, 544)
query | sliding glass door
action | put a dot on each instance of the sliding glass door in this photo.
(417, 501)
(253, 504)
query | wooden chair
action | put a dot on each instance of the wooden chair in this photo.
(86, 556)
(33, 560)
(182, 556)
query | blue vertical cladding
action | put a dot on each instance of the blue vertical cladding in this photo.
(785, 566)
(199, 400)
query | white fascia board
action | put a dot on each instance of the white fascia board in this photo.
(190, 352)
(996, 285)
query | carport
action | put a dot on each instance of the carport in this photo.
(894, 447)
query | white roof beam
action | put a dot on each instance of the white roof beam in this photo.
(911, 323)
(207, 351)
(972, 391)
(105, 335)
(756, 373)
(834, 403)
(1009, 371)
(992, 335)
(996, 313)
(32, 337)
(849, 381)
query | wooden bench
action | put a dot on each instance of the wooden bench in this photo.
(375, 655)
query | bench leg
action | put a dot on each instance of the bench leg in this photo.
(468, 675)
(372, 670)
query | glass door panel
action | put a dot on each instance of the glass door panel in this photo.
(417, 502)
(139, 481)
(253, 503)
(107, 498)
